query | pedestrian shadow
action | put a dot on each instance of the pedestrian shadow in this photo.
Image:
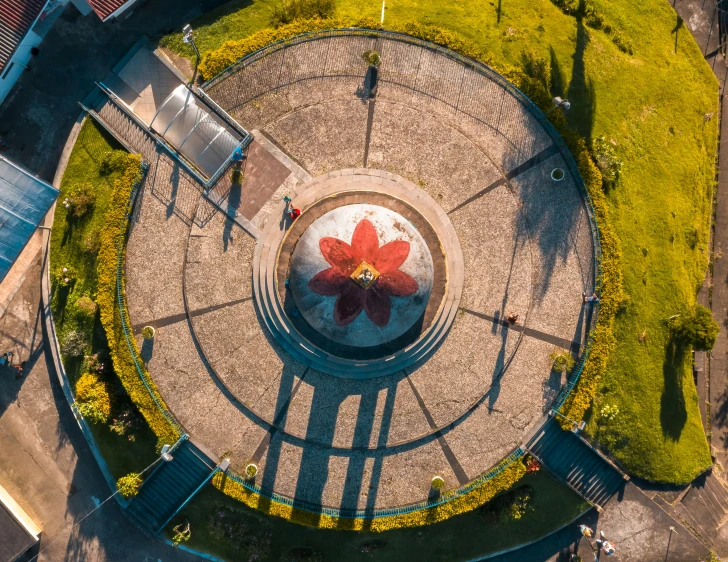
(233, 203)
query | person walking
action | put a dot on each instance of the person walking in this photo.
(603, 543)
(592, 299)
(586, 531)
(19, 370)
(4, 360)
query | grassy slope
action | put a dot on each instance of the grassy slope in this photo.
(651, 105)
(83, 166)
(464, 537)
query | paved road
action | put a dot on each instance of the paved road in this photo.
(45, 463)
(37, 117)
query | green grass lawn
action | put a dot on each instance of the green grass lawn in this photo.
(228, 529)
(650, 105)
(73, 245)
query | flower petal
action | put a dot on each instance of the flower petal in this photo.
(391, 256)
(377, 306)
(365, 242)
(328, 282)
(349, 304)
(338, 254)
(397, 284)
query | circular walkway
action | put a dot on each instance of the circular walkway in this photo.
(522, 243)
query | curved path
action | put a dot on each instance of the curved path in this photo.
(526, 246)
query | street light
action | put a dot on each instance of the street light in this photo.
(558, 102)
(189, 38)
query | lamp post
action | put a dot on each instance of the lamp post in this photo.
(558, 102)
(189, 38)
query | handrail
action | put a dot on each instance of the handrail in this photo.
(487, 71)
(120, 297)
(382, 512)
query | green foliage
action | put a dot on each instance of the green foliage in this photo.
(80, 199)
(128, 485)
(371, 57)
(182, 533)
(696, 327)
(302, 9)
(113, 161)
(509, 506)
(438, 483)
(92, 398)
(74, 344)
(147, 332)
(251, 470)
(562, 360)
(606, 159)
(85, 308)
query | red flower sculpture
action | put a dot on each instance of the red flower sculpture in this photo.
(371, 290)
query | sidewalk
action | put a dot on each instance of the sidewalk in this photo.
(45, 463)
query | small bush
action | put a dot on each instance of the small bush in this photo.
(696, 327)
(92, 398)
(64, 276)
(251, 471)
(302, 9)
(80, 200)
(371, 57)
(113, 161)
(85, 308)
(606, 160)
(438, 483)
(562, 360)
(129, 485)
(148, 332)
(510, 506)
(74, 344)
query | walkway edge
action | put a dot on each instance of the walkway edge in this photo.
(50, 327)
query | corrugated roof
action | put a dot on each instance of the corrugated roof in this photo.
(104, 8)
(16, 17)
(24, 201)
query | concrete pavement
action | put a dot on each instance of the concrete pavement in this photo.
(45, 463)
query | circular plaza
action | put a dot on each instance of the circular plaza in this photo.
(400, 328)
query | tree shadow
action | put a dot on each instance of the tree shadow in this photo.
(673, 413)
(676, 30)
(581, 92)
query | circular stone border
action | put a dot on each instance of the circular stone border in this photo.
(407, 212)
(370, 183)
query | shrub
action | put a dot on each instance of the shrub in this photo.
(91, 242)
(112, 236)
(92, 398)
(128, 485)
(64, 276)
(302, 9)
(81, 199)
(696, 327)
(609, 413)
(85, 308)
(562, 360)
(251, 471)
(148, 332)
(74, 344)
(113, 161)
(510, 506)
(438, 483)
(606, 159)
(371, 57)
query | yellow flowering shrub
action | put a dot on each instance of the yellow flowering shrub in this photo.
(92, 398)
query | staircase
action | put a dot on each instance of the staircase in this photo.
(702, 508)
(170, 486)
(576, 463)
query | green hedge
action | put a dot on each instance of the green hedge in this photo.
(113, 236)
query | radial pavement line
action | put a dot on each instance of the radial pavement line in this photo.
(530, 332)
(535, 160)
(447, 451)
(263, 445)
(173, 319)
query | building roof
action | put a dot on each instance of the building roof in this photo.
(104, 8)
(16, 18)
(24, 201)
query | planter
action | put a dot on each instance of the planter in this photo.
(148, 332)
(438, 483)
(557, 174)
(251, 471)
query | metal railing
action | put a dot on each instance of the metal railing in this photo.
(121, 303)
(515, 456)
(468, 63)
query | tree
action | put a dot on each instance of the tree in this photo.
(697, 328)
